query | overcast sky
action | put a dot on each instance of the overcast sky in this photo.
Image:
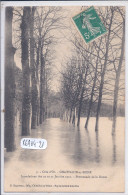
(63, 49)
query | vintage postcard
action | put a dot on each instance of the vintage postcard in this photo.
(63, 110)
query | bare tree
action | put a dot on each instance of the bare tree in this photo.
(93, 85)
(87, 58)
(110, 18)
(102, 62)
(118, 72)
(84, 75)
(26, 103)
(71, 85)
(47, 20)
(34, 90)
(9, 83)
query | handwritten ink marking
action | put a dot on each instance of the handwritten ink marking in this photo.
(33, 143)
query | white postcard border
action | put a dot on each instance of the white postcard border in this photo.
(63, 3)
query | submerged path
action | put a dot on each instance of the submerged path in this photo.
(69, 149)
(73, 145)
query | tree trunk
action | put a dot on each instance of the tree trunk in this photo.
(38, 83)
(9, 84)
(26, 106)
(41, 88)
(93, 87)
(116, 89)
(44, 89)
(70, 117)
(46, 101)
(74, 116)
(34, 90)
(80, 106)
(102, 76)
(82, 93)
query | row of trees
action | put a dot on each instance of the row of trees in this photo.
(31, 30)
(94, 73)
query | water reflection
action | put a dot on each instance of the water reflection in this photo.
(97, 147)
(76, 146)
(79, 147)
(114, 149)
(86, 146)
(78, 153)
(89, 150)
(30, 155)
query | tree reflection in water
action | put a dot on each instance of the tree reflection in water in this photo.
(76, 146)
(114, 149)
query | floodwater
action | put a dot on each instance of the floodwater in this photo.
(70, 148)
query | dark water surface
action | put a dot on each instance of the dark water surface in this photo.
(73, 146)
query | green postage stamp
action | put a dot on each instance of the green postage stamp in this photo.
(89, 24)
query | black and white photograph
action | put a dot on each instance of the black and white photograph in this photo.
(64, 100)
